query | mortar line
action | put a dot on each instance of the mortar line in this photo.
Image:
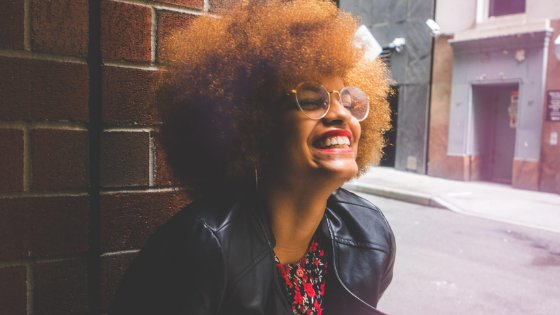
(153, 39)
(27, 25)
(148, 67)
(43, 195)
(12, 125)
(168, 7)
(124, 129)
(43, 125)
(27, 176)
(142, 191)
(59, 126)
(151, 161)
(13, 263)
(27, 261)
(40, 56)
(122, 252)
(30, 283)
(181, 10)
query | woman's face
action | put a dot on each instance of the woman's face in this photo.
(326, 146)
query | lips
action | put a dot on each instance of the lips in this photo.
(334, 139)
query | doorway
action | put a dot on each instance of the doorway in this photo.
(495, 123)
(390, 151)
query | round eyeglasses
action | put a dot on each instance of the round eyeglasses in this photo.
(314, 101)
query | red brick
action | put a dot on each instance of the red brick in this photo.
(43, 226)
(43, 90)
(13, 290)
(11, 24)
(168, 22)
(197, 4)
(163, 173)
(59, 159)
(125, 159)
(129, 95)
(60, 287)
(11, 160)
(60, 26)
(128, 219)
(126, 31)
(112, 269)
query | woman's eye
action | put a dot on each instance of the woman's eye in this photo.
(312, 104)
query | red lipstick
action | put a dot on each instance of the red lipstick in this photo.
(331, 134)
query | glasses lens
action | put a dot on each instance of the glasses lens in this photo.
(312, 99)
(356, 101)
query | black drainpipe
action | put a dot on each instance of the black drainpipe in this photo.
(94, 61)
(430, 89)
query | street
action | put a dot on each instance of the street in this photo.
(448, 263)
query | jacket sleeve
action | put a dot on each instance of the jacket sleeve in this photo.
(179, 271)
(388, 272)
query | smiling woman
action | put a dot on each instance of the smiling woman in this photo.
(268, 109)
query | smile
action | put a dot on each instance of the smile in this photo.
(334, 139)
(334, 142)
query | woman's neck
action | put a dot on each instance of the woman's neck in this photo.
(295, 211)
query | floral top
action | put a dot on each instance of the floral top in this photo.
(305, 280)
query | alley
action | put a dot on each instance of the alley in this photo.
(448, 263)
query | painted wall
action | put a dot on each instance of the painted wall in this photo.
(485, 53)
(550, 156)
(543, 9)
(451, 22)
(494, 61)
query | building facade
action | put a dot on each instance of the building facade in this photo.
(494, 109)
(411, 70)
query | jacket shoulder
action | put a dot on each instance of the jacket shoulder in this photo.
(165, 276)
(345, 197)
(364, 223)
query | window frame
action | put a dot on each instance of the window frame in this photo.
(483, 15)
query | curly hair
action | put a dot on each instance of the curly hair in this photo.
(221, 93)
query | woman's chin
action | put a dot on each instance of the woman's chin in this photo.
(338, 169)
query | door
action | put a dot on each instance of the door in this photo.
(495, 121)
(504, 135)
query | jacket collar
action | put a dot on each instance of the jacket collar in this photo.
(329, 228)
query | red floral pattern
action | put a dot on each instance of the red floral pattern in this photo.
(305, 280)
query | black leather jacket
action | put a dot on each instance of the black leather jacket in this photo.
(216, 257)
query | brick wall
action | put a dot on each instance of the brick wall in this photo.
(83, 180)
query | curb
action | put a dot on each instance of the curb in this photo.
(435, 202)
(402, 195)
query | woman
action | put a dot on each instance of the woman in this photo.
(267, 111)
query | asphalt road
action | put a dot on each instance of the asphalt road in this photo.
(448, 263)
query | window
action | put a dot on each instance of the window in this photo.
(506, 7)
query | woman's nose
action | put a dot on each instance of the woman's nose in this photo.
(337, 111)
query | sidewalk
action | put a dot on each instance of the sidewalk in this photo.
(487, 200)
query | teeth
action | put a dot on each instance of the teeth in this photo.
(334, 141)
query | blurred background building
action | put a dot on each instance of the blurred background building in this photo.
(477, 93)
(496, 80)
(410, 61)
